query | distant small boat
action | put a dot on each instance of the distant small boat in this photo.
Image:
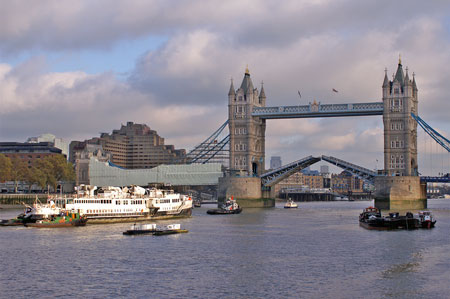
(230, 207)
(140, 229)
(153, 229)
(426, 219)
(290, 204)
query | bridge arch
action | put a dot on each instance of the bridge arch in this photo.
(273, 177)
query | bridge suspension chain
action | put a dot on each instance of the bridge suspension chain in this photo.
(444, 142)
(213, 149)
(439, 148)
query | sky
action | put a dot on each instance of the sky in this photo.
(78, 68)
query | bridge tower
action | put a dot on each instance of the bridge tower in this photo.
(247, 133)
(401, 188)
(400, 129)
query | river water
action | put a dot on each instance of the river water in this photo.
(316, 251)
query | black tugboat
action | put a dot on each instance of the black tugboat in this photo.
(371, 218)
(395, 221)
(229, 207)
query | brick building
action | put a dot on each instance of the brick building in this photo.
(344, 182)
(28, 152)
(133, 146)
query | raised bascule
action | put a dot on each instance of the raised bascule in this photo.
(397, 187)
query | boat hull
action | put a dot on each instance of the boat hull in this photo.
(374, 226)
(170, 232)
(223, 212)
(145, 217)
(154, 232)
(386, 223)
(427, 224)
(139, 232)
(57, 223)
(11, 222)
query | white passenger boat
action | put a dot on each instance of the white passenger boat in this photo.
(290, 204)
(115, 204)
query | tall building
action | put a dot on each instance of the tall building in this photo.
(57, 142)
(247, 133)
(400, 130)
(275, 162)
(82, 159)
(133, 146)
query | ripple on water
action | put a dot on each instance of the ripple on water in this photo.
(316, 251)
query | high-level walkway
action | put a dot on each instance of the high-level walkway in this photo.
(314, 110)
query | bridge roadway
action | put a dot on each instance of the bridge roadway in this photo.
(273, 177)
(435, 179)
(319, 110)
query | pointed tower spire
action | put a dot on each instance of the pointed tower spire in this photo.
(414, 82)
(232, 91)
(247, 84)
(406, 76)
(399, 76)
(386, 80)
(262, 94)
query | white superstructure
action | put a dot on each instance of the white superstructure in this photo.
(135, 203)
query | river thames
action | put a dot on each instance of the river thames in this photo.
(316, 251)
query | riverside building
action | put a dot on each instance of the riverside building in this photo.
(28, 152)
(56, 142)
(133, 146)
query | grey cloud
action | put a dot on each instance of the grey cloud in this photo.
(180, 89)
(68, 25)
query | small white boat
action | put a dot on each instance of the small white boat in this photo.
(140, 229)
(290, 204)
(426, 219)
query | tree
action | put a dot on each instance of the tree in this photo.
(35, 176)
(5, 168)
(53, 169)
(18, 171)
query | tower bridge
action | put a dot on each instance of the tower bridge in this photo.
(400, 185)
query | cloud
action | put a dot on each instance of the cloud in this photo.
(76, 105)
(62, 25)
(180, 89)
